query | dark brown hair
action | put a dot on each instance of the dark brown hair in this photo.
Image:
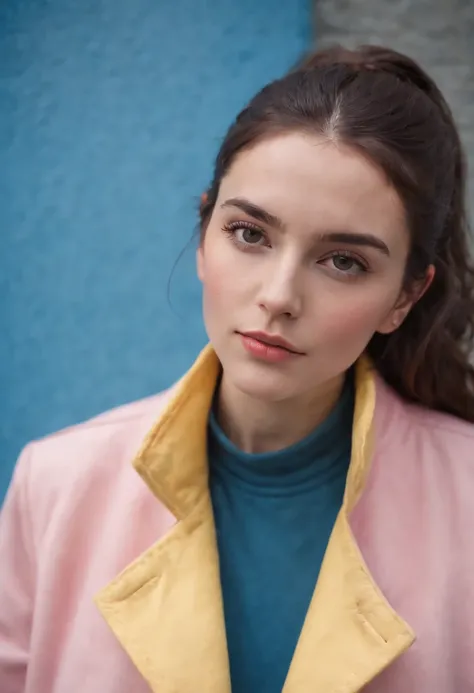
(383, 104)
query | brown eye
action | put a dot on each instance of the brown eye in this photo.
(343, 263)
(245, 235)
(250, 236)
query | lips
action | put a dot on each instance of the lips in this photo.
(272, 341)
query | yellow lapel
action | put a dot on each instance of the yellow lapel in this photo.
(351, 633)
(166, 608)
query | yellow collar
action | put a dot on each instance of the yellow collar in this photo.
(166, 608)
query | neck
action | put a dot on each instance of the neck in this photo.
(257, 426)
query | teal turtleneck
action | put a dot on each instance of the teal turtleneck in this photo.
(274, 513)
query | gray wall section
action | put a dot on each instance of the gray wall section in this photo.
(111, 112)
(437, 33)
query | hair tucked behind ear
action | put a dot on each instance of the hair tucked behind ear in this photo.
(428, 359)
(382, 104)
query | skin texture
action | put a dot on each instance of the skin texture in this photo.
(288, 277)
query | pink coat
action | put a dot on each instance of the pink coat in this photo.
(111, 585)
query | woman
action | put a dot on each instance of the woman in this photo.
(306, 521)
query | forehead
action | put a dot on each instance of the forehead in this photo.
(313, 182)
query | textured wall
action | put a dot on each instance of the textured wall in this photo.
(437, 33)
(110, 113)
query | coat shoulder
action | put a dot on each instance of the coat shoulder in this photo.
(390, 403)
(435, 439)
(85, 465)
(110, 435)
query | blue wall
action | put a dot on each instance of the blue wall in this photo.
(110, 114)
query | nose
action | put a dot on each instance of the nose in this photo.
(280, 294)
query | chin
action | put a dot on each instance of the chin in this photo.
(263, 382)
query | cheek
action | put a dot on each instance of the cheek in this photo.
(220, 280)
(355, 319)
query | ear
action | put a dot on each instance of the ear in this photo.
(200, 262)
(405, 303)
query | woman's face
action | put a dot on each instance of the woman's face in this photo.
(307, 243)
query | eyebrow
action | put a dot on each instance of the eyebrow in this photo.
(260, 214)
(254, 211)
(360, 239)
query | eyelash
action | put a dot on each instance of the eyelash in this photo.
(231, 229)
(361, 264)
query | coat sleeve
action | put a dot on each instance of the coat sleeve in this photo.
(17, 580)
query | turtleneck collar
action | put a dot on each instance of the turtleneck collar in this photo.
(320, 455)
